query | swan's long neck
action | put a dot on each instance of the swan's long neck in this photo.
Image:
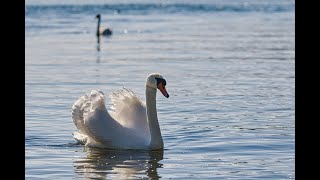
(98, 34)
(156, 138)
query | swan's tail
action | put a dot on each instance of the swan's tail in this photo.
(81, 138)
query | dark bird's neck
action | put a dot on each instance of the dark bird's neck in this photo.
(98, 27)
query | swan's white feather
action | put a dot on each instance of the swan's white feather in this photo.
(129, 110)
(125, 126)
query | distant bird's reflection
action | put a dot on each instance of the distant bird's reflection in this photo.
(98, 43)
(98, 49)
(118, 164)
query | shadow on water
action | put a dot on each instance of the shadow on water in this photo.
(118, 164)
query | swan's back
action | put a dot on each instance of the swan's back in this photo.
(106, 32)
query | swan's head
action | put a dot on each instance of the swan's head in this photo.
(98, 16)
(155, 81)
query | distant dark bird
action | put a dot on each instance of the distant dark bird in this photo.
(102, 31)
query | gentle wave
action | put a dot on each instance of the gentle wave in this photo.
(163, 8)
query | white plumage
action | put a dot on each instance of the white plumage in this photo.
(127, 125)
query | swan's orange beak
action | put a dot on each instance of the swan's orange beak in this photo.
(163, 90)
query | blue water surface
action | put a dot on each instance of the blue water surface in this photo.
(229, 67)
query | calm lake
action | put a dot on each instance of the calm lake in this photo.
(230, 72)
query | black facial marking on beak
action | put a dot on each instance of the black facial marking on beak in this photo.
(161, 84)
(159, 80)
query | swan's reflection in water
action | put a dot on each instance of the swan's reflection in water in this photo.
(98, 49)
(98, 44)
(118, 164)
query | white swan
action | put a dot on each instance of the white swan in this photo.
(102, 31)
(131, 124)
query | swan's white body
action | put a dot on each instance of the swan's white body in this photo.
(131, 124)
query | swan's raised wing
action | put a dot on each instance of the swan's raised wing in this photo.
(91, 117)
(129, 110)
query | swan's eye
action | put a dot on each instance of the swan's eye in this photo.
(164, 82)
(160, 80)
